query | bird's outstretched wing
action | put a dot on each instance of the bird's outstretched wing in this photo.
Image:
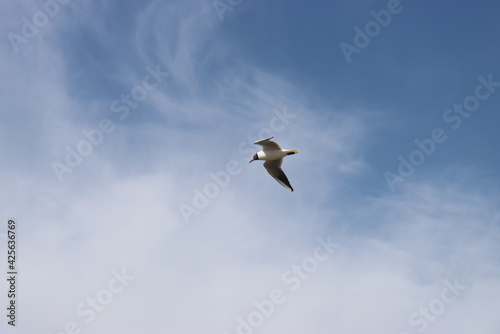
(274, 169)
(268, 144)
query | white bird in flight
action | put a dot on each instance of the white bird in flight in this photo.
(273, 155)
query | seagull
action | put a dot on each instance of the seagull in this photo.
(273, 155)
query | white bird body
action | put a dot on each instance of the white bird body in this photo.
(273, 155)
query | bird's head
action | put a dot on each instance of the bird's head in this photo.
(255, 157)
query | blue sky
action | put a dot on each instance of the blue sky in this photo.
(126, 135)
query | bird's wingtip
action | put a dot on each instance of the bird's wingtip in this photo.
(263, 140)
